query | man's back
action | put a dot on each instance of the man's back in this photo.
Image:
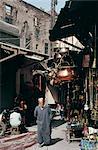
(15, 119)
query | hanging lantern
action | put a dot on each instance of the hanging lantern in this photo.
(63, 69)
(66, 74)
(63, 73)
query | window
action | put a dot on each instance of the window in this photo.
(36, 46)
(8, 20)
(46, 48)
(36, 22)
(8, 9)
(37, 33)
(28, 42)
(8, 14)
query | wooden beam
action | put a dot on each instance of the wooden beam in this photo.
(29, 52)
(9, 49)
(9, 57)
(16, 51)
(71, 45)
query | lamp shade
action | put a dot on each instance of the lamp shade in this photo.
(63, 73)
(66, 74)
(58, 56)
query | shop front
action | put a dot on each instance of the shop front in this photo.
(16, 65)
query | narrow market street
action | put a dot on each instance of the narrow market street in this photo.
(48, 75)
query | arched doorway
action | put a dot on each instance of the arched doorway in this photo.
(39, 82)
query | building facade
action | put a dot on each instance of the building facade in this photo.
(24, 42)
(33, 24)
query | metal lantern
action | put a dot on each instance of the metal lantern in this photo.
(65, 74)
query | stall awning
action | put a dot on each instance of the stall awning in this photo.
(13, 51)
(34, 57)
(77, 18)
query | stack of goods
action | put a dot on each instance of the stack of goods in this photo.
(91, 141)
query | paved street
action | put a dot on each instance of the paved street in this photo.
(58, 140)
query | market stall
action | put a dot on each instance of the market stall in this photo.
(74, 130)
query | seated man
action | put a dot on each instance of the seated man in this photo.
(15, 119)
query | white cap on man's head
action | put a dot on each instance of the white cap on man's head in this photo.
(40, 99)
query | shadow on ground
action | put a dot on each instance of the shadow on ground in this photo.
(55, 123)
(54, 141)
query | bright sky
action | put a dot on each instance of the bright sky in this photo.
(46, 4)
